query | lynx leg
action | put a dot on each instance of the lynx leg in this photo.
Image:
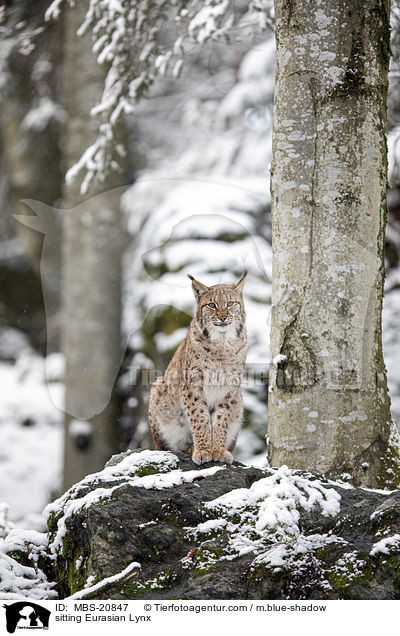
(199, 419)
(226, 423)
(158, 443)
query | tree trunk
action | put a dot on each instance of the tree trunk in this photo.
(91, 275)
(329, 409)
(32, 139)
(32, 123)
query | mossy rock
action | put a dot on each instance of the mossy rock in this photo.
(199, 532)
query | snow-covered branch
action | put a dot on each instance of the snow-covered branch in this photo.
(126, 38)
(106, 584)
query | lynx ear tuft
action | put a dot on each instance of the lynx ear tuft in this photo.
(240, 284)
(198, 288)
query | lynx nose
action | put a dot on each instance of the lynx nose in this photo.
(222, 318)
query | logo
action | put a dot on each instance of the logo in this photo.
(26, 615)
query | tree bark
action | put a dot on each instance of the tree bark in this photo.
(329, 409)
(91, 257)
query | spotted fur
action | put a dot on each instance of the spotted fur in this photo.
(196, 406)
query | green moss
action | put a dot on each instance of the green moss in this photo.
(349, 570)
(262, 571)
(163, 581)
(233, 516)
(52, 523)
(76, 577)
(29, 556)
(391, 569)
(150, 469)
(385, 521)
(392, 561)
(204, 537)
(206, 559)
(300, 576)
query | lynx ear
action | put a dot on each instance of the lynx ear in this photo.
(198, 288)
(239, 285)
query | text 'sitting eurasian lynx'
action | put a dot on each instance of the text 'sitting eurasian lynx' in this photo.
(196, 406)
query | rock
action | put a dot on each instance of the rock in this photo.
(223, 532)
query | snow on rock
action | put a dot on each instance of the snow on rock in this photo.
(132, 464)
(274, 533)
(208, 526)
(386, 545)
(276, 500)
(130, 470)
(104, 583)
(349, 567)
(264, 519)
(18, 538)
(291, 553)
(19, 581)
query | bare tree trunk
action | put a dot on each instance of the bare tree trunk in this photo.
(91, 276)
(329, 409)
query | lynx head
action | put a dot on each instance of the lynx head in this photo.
(220, 310)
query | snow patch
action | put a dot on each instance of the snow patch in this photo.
(269, 514)
(121, 474)
(386, 545)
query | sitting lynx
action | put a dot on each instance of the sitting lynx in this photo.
(197, 405)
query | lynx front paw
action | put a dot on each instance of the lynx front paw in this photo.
(222, 455)
(201, 456)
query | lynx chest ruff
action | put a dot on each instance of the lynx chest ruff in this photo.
(197, 405)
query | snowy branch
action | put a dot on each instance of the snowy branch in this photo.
(126, 39)
(106, 584)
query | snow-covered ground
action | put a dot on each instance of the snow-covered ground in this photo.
(31, 435)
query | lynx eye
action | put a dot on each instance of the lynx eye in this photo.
(212, 305)
(230, 303)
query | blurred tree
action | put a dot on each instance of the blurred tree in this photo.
(92, 245)
(32, 116)
(329, 409)
(32, 120)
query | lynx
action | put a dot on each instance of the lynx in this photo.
(196, 407)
